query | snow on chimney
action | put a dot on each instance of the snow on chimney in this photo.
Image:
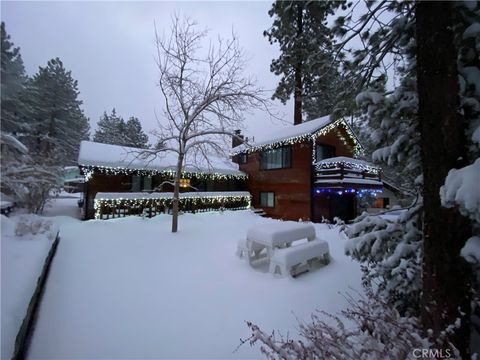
(237, 138)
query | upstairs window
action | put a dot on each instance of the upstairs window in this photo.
(276, 158)
(324, 152)
(242, 158)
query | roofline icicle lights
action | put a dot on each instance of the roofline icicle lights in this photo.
(166, 200)
(90, 170)
(358, 149)
(352, 165)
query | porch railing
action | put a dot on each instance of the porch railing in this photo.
(341, 173)
(115, 205)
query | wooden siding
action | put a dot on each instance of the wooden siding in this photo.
(100, 182)
(293, 186)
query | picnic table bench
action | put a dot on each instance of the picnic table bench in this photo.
(277, 239)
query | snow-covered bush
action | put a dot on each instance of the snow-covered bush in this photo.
(32, 224)
(28, 182)
(368, 329)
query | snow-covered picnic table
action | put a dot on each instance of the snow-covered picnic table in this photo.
(277, 239)
(281, 234)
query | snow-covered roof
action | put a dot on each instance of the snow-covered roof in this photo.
(354, 175)
(307, 127)
(93, 154)
(298, 133)
(287, 133)
(346, 161)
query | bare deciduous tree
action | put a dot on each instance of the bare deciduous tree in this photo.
(206, 95)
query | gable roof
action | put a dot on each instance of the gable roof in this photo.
(308, 130)
(129, 159)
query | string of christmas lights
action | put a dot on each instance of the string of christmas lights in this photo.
(357, 147)
(325, 164)
(166, 201)
(90, 170)
(358, 192)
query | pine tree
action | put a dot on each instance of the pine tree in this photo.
(58, 123)
(306, 64)
(134, 134)
(13, 80)
(112, 129)
(420, 127)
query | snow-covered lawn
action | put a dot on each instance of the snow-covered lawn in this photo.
(22, 260)
(128, 288)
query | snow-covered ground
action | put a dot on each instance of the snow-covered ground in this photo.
(23, 252)
(128, 288)
(22, 260)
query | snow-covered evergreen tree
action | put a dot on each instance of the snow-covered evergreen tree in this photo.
(13, 80)
(56, 121)
(112, 129)
(412, 139)
(134, 134)
(391, 251)
(306, 64)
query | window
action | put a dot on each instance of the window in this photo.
(324, 152)
(267, 199)
(136, 183)
(381, 203)
(242, 158)
(147, 183)
(276, 158)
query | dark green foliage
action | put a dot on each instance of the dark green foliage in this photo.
(13, 82)
(307, 60)
(135, 137)
(57, 123)
(112, 129)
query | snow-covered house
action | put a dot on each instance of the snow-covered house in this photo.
(121, 180)
(308, 171)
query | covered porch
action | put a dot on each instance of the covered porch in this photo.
(339, 183)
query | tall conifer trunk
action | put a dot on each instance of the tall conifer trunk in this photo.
(445, 275)
(297, 95)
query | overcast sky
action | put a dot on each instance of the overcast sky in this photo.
(109, 47)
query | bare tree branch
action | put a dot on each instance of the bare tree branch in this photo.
(206, 96)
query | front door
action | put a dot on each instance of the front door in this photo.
(342, 206)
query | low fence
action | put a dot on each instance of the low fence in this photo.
(24, 335)
(115, 205)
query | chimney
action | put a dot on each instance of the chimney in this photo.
(237, 138)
